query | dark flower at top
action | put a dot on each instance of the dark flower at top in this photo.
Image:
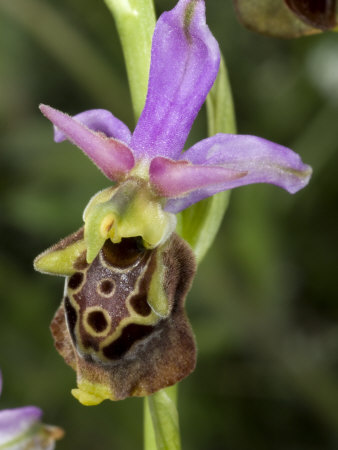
(287, 18)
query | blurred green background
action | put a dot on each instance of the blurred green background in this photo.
(264, 304)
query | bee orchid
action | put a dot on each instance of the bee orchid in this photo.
(122, 324)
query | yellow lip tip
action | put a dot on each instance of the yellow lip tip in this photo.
(90, 394)
(85, 398)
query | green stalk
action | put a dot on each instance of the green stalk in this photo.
(161, 427)
(135, 21)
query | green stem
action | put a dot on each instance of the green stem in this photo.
(135, 21)
(161, 427)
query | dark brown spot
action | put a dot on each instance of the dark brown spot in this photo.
(75, 280)
(124, 254)
(131, 334)
(162, 359)
(106, 287)
(139, 301)
(90, 342)
(140, 305)
(97, 321)
(71, 317)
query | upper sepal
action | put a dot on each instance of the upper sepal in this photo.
(184, 63)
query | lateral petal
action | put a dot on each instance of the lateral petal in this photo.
(99, 120)
(112, 157)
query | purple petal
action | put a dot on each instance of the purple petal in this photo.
(184, 64)
(113, 157)
(261, 160)
(99, 120)
(179, 178)
(14, 422)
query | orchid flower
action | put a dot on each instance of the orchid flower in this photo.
(21, 429)
(122, 325)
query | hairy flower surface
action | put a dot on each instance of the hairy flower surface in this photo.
(21, 429)
(122, 325)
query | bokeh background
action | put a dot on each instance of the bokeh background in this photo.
(264, 306)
